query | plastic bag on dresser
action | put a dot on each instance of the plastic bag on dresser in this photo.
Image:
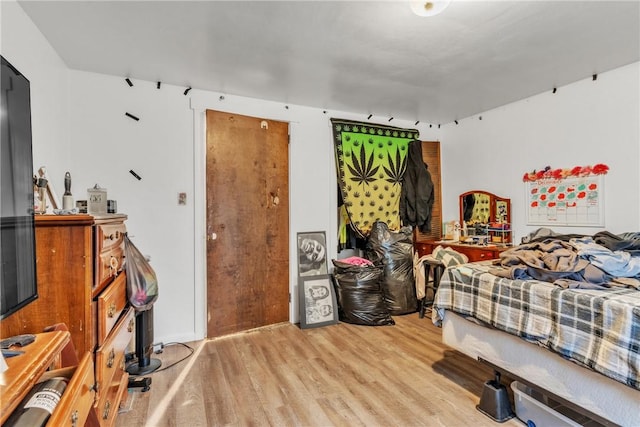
(394, 252)
(360, 299)
(142, 284)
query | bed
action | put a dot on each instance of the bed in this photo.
(582, 345)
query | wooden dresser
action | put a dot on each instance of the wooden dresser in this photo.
(39, 362)
(81, 283)
(473, 252)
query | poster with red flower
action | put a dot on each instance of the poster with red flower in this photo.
(566, 197)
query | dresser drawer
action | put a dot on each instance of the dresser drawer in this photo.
(78, 397)
(110, 356)
(113, 393)
(111, 303)
(423, 249)
(473, 252)
(477, 254)
(109, 249)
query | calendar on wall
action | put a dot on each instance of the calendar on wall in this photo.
(564, 199)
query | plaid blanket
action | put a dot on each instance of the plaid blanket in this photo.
(599, 329)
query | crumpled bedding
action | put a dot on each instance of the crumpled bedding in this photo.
(629, 242)
(548, 261)
(573, 261)
(618, 263)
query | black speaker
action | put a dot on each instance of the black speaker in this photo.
(144, 345)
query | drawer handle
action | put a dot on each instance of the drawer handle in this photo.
(112, 310)
(107, 409)
(74, 418)
(111, 358)
(130, 326)
(112, 236)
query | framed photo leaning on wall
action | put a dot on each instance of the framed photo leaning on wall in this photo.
(318, 303)
(312, 254)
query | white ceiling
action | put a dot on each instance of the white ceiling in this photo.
(360, 56)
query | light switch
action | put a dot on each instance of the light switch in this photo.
(182, 198)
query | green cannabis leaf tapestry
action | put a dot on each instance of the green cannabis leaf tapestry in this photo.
(370, 161)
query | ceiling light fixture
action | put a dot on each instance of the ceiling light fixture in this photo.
(429, 8)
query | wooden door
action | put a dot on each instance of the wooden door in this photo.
(431, 156)
(247, 222)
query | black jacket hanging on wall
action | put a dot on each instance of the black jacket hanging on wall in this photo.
(417, 195)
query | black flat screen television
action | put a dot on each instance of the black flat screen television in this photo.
(17, 226)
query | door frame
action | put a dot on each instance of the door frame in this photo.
(200, 215)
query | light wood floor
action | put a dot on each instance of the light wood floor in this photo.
(339, 375)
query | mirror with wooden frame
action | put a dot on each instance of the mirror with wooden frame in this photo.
(485, 217)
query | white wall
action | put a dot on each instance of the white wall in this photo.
(106, 145)
(583, 123)
(166, 148)
(79, 125)
(24, 46)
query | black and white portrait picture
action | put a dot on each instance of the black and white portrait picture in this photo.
(312, 254)
(319, 306)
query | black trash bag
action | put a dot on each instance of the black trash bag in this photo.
(142, 284)
(360, 299)
(393, 251)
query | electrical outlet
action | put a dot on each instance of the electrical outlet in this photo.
(182, 198)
